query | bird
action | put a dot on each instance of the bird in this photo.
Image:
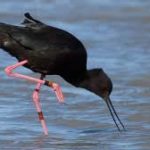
(49, 50)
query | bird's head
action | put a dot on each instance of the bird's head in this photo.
(98, 82)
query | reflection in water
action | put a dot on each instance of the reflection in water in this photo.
(116, 35)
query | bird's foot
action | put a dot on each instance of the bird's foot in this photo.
(57, 90)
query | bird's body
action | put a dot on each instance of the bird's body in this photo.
(52, 51)
(49, 50)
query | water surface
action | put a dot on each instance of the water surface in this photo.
(116, 35)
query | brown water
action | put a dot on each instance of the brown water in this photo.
(117, 37)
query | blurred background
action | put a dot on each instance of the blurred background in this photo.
(116, 34)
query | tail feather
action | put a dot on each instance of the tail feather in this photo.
(30, 18)
(29, 21)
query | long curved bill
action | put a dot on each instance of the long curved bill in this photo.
(114, 114)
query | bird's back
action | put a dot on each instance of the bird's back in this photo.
(49, 50)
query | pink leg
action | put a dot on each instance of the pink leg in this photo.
(39, 82)
(9, 72)
(36, 101)
(51, 84)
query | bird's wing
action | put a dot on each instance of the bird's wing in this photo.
(40, 37)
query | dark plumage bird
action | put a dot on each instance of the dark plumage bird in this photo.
(53, 51)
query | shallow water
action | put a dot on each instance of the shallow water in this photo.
(116, 35)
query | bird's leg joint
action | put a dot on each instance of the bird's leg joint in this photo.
(9, 69)
(48, 83)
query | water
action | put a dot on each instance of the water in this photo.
(116, 35)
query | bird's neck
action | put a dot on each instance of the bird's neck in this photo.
(78, 79)
(84, 80)
(74, 78)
